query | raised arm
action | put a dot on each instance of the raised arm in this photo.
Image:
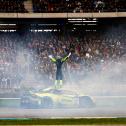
(65, 58)
(52, 59)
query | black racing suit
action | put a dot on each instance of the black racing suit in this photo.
(59, 63)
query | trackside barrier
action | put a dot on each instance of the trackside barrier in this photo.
(63, 15)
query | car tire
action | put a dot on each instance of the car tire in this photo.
(46, 102)
(86, 102)
(25, 103)
(28, 104)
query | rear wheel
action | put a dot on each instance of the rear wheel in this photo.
(86, 101)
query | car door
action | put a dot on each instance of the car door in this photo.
(66, 98)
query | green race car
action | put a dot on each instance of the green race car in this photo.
(53, 98)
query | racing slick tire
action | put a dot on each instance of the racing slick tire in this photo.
(25, 103)
(28, 104)
(46, 102)
(86, 102)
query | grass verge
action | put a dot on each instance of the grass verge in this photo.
(85, 121)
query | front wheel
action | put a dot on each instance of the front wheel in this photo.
(25, 103)
(46, 102)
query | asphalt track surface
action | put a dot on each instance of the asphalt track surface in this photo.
(63, 113)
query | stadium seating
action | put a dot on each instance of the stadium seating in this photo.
(79, 6)
(61, 6)
(12, 6)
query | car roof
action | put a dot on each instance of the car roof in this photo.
(57, 91)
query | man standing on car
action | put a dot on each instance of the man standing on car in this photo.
(59, 62)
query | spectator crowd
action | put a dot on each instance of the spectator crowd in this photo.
(25, 55)
(12, 6)
(74, 6)
(78, 5)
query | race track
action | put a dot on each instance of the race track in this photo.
(63, 113)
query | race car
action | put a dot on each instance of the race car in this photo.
(55, 98)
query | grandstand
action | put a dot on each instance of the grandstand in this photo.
(92, 30)
(47, 6)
